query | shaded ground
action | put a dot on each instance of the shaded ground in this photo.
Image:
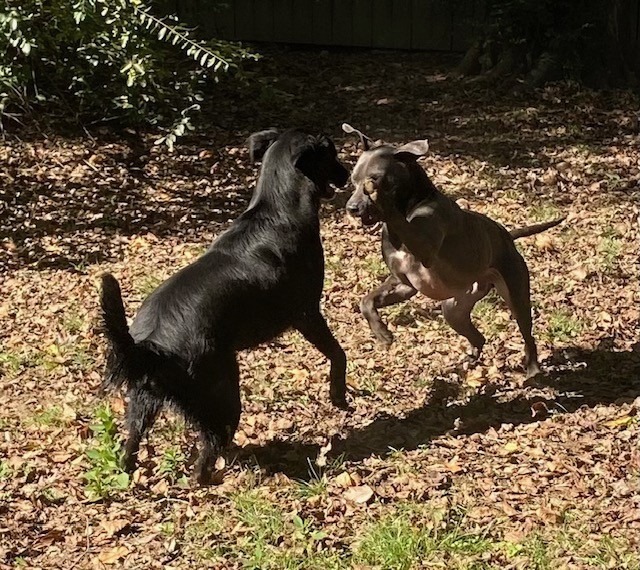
(437, 466)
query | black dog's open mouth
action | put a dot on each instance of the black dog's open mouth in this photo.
(328, 192)
(369, 218)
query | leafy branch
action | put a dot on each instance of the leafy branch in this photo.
(199, 52)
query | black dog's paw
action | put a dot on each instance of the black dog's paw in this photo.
(129, 463)
(207, 477)
(340, 401)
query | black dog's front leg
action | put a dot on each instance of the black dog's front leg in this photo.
(315, 329)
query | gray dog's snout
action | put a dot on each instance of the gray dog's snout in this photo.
(352, 208)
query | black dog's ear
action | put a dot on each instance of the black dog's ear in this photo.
(259, 142)
(413, 150)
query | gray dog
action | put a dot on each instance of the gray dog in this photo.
(431, 245)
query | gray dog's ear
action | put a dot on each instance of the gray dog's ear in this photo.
(412, 150)
(259, 142)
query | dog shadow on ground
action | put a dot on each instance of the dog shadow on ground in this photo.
(582, 378)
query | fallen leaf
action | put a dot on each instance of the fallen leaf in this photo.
(343, 480)
(112, 555)
(359, 495)
(619, 422)
(113, 526)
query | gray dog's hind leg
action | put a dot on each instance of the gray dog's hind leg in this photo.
(457, 312)
(392, 291)
(516, 292)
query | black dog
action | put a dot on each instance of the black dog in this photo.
(263, 275)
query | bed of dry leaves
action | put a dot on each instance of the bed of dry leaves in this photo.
(516, 465)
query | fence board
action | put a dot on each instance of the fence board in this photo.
(283, 21)
(263, 16)
(462, 24)
(244, 19)
(362, 23)
(431, 25)
(391, 24)
(342, 23)
(302, 30)
(217, 19)
(321, 22)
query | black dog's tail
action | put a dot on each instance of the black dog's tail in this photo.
(127, 361)
(535, 228)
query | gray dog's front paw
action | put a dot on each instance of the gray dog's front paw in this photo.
(384, 337)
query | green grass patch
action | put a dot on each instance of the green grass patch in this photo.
(545, 551)
(73, 355)
(11, 363)
(413, 536)
(254, 530)
(485, 314)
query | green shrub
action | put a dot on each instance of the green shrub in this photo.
(105, 60)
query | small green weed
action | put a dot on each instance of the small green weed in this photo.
(544, 212)
(147, 285)
(609, 249)
(51, 416)
(10, 363)
(375, 265)
(536, 550)
(105, 476)
(73, 321)
(316, 487)
(5, 470)
(172, 463)
(71, 354)
(267, 539)
(562, 326)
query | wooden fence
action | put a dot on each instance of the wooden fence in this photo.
(445, 25)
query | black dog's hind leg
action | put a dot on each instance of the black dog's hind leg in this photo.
(315, 329)
(392, 291)
(215, 407)
(142, 411)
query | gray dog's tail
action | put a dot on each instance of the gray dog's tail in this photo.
(534, 229)
(127, 361)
